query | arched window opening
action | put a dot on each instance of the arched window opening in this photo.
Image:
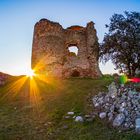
(73, 50)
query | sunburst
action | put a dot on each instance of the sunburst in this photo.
(30, 73)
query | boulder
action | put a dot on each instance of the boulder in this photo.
(137, 125)
(79, 119)
(118, 120)
(102, 115)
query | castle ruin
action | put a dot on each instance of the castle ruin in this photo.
(52, 50)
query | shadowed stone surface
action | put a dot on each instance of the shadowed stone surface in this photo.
(50, 52)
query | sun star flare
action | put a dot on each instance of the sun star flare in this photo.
(30, 73)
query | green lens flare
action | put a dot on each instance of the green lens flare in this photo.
(123, 79)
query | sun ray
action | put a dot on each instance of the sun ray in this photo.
(34, 92)
(30, 73)
(14, 88)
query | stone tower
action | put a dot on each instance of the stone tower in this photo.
(51, 50)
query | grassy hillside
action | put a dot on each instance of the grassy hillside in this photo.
(39, 115)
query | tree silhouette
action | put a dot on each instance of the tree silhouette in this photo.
(121, 44)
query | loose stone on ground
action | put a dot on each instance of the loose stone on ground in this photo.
(120, 106)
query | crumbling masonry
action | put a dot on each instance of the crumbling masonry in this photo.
(51, 55)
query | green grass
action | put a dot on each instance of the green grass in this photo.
(44, 120)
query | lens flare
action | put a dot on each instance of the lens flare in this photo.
(124, 79)
(30, 73)
(30, 86)
(135, 80)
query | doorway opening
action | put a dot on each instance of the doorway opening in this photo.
(75, 73)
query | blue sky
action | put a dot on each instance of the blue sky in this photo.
(17, 19)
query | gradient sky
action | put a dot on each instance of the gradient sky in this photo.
(17, 19)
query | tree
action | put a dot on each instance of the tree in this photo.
(121, 44)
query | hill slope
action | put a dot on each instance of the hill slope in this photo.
(37, 112)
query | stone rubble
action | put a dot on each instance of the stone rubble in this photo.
(102, 115)
(138, 125)
(70, 113)
(120, 106)
(79, 118)
(119, 119)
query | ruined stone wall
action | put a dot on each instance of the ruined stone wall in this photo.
(50, 54)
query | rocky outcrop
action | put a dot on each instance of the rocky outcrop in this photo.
(120, 106)
(51, 55)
